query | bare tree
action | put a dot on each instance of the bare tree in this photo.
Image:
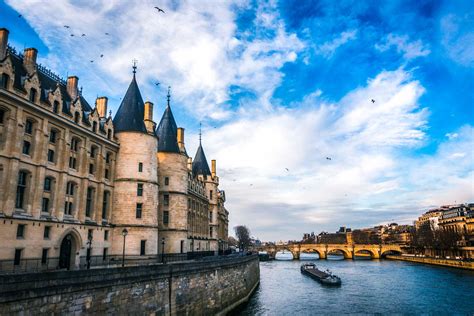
(232, 241)
(243, 235)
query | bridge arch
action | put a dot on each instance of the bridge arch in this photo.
(345, 253)
(312, 251)
(390, 252)
(285, 250)
(361, 252)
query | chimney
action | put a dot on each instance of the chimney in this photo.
(148, 117)
(29, 59)
(101, 106)
(190, 163)
(213, 168)
(181, 139)
(71, 86)
(3, 42)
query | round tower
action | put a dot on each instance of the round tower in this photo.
(135, 198)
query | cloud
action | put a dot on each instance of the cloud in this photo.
(403, 45)
(328, 49)
(194, 49)
(458, 38)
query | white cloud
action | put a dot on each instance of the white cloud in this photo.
(329, 48)
(191, 47)
(458, 38)
(409, 49)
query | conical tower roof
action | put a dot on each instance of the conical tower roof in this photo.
(129, 116)
(200, 165)
(167, 131)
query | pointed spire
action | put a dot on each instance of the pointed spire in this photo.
(129, 116)
(167, 130)
(200, 165)
(134, 67)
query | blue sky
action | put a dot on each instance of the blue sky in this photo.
(284, 84)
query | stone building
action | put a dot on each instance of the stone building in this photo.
(74, 182)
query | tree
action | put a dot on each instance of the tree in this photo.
(243, 235)
(232, 241)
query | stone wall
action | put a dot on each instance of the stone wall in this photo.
(434, 261)
(200, 287)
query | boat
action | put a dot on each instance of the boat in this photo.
(324, 277)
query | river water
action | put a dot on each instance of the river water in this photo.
(368, 287)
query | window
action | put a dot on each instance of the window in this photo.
(210, 216)
(20, 190)
(52, 136)
(166, 217)
(26, 147)
(45, 205)
(44, 256)
(166, 199)
(210, 194)
(47, 230)
(68, 208)
(29, 127)
(140, 189)
(167, 181)
(139, 210)
(20, 231)
(5, 81)
(105, 204)
(77, 117)
(140, 167)
(32, 94)
(106, 235)
(107, 157)
(106, 174)
(109, 134)
(142, 247)
(91, 168)
(94, 127)
(104, 253)
(182, 246)
(90, 234)
(70, 188)
(16, 262)
(72, 162)
(74, 144)
(50, 155)
(89, 196)
(55, 106)
(2, 116)
(93, 151)
(210, 232)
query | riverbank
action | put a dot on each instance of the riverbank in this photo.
(434, 261)
(203, 287)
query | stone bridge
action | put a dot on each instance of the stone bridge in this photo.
(349, 251)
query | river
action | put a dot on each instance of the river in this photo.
(368, 286)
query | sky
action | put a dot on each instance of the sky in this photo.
(320, 114)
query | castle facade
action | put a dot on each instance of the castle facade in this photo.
(77, 183)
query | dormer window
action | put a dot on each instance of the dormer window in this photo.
(5, 81)
(55, 106)
(32, 95)
(94, 127)
(109, 134)
(77, 117)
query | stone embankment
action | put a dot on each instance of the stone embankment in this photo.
(206, 287)
(435, 261)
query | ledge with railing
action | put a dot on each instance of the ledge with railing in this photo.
(29, 265)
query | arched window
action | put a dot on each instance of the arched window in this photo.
(77, 116)
(33, 95)
(21, 189)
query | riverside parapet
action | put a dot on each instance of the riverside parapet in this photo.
(199, 287)
(436, 261)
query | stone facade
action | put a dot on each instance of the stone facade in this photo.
(70, 173)
(194, 288)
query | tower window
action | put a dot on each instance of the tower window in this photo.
(20, 231)
(47, 230)
(139, 210)
(45, 205)
(142, 247)
(17, 259)
(140, 167)
(140, 189)
(105, 204)
(44, 256)
(21, 189)
(166, 217)
(106, 235)
(167, 180)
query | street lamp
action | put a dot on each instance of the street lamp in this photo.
(163, 250)
(124, 234)
(89, 250)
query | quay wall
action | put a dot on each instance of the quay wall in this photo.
(434, 261)
(206, 287)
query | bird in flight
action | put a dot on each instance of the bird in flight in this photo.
(157, 83)
(287, 169)
(251, 184)
(328, 158)
(107, 33)
(72, 34)
(19, 15)
(160, 10)
(83, 34)
(373, 101)
(91, 61)
(101, 55)
(66, 26)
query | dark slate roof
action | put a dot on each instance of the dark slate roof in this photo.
(167, 133)
(129, 116)
(200, 165)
